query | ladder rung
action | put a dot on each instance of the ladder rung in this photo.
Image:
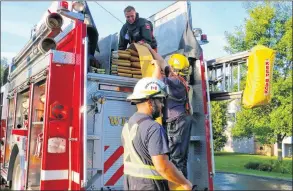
(217, 96)
(94, 169)
(194, 138)
(34, 187)
(93, 137)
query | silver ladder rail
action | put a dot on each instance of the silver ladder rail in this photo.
(221, 76)
(210, 119)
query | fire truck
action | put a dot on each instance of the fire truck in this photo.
(61, 124)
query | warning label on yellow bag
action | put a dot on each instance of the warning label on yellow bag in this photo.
(258, 89)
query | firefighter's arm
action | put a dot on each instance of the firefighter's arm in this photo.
(122, 41)
(156, 56)
(157, 71)
(168, 170)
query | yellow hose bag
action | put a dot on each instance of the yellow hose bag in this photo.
(258, 89)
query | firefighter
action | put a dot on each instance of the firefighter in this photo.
(176, 116)
(93, 38)
(146, 161)
(136, 29)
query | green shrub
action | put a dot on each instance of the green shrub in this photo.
(265, 167)
(252, 165)
(282, 167)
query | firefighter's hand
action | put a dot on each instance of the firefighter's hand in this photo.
(155, 63)
(187, 186)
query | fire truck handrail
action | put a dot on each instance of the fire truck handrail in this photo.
(34, 69)
(112, 79)
(28, 45)
(25, 64)
(84, 183)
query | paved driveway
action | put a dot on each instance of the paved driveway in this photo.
(226, 181)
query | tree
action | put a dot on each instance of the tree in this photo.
(3, 69)
(219, 121)
(268, 24)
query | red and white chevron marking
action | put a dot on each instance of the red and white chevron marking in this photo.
(113, 165)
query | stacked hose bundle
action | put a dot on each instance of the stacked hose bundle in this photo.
(126, 63)
(95, 67)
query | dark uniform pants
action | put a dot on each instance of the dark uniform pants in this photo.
(179, 135)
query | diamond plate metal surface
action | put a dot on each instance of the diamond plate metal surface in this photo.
(90, 151)
(61, 57)
(91, 88)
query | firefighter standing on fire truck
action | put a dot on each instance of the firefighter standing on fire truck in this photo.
(146, 161)
(136, 29)
(176, 116)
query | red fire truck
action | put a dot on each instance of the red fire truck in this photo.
(61, 125)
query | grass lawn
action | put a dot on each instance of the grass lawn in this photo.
(234, 162)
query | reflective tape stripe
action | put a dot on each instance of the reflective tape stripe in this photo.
(133, 165)
(144, 171)
(75, 177)
(128, 147)
(140, 166)
(54, 175)
(4, 173)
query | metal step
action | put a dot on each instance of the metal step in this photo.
(93, 137)
(218, 96)
(94, 169)
(33, 187)
(196, 138)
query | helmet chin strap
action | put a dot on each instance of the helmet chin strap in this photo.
(155, 109)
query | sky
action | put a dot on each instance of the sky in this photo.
(213, 17)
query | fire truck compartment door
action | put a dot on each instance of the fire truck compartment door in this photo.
(104, 126)
(115, 115)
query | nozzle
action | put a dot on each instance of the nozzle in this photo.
(54, 20)
(47, 44)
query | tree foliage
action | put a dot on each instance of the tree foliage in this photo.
(219, 121)
(268, 24)
(3, 66)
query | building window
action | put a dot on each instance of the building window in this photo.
(260, 148)
(22, 107)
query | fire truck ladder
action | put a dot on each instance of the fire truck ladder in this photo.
(224, 74)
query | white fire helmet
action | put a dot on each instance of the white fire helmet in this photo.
(147, 88)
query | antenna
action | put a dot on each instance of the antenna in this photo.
(108, 12)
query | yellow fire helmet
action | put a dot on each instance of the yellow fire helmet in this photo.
(180, 63)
